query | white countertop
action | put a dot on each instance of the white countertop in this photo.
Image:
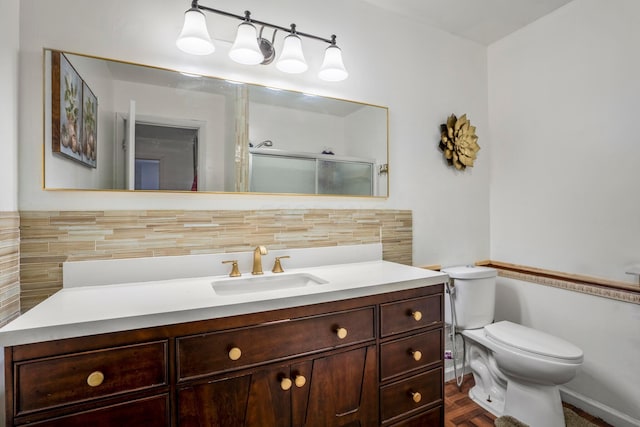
(88, 310)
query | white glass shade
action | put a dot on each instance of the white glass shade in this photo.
(332, 69)
(245, 49)
(194, 37)
(292, 58)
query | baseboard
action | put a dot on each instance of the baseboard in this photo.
(450, 375)
(597, 409)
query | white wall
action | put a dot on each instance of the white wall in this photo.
(370, 143)
(302, 131)
(366, 130)
(9, 45)
(564, 99)
(450, 76)
(564, 96)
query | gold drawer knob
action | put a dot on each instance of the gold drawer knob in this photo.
(235, 353)
(417, 355)
(342, 333)
(416, 396)
(95, 379)
(300, 381)
(286, 383)
(417, 316)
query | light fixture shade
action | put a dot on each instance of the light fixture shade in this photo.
(292, 58)
(245, 49)
(332, 69)
(194, 37)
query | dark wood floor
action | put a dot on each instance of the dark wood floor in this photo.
(461, 411)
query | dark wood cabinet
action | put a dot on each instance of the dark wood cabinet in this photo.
(246, 400)
(51, 382)
(207, 354)
(342, 390)
(361, 362)
(296, 394)
(411, 362)
(148, 412)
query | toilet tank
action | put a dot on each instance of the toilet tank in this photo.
(474, 296)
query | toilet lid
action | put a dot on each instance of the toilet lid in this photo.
(470, 272)
(532, 341)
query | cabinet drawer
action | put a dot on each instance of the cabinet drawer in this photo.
(409, 354)
(410, 314)
(433, 417)
(201, 355)
(148, 412)
(400, 397)
(50, 382)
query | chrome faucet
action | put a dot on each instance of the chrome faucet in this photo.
(257, 259)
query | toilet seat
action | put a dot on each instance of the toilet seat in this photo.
(532, 341)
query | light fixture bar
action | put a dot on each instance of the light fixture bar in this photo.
(194, 4)
(250, 49)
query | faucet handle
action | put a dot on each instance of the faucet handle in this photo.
(277, 266)
(235, 272)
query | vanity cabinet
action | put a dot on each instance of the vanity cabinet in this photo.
(291, 394)
(367, 361)
(334, 390)
(411, 365)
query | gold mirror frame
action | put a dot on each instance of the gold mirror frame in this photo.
(228, 125)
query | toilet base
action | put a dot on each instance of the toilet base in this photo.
(534, 404)
(491, 404)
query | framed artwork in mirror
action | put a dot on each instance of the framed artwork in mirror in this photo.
(67, 110)
(89, 132)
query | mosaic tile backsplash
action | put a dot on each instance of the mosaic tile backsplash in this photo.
(9, 266)
(48, 238)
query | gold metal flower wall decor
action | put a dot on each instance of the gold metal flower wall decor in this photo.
(458, 141)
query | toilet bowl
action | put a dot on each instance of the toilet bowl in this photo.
(516, 369)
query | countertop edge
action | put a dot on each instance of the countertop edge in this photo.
(147, 320)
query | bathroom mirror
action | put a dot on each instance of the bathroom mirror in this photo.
(112, 125)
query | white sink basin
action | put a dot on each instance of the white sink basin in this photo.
(235, 286)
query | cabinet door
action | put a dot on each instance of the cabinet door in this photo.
(256, 399)
(342, 390)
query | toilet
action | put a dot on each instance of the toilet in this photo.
(517, 370)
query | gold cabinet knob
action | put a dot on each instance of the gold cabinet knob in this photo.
(300, 381)
(416, 396)
(417, 355)
(286, 383)
(235, 353)
(417, 316)
(342, 333)
(95, 378)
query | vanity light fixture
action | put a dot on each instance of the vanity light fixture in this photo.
(250, 49)
(194, 38)
(291, 59)
(245, 49)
